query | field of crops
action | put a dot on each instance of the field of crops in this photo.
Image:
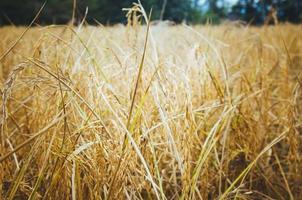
(176, 112)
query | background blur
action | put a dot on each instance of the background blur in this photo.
(21, 12)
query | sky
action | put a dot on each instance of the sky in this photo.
(227, 3)
(232, 2)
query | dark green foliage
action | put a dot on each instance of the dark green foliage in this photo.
(22, 12)
(256, 11)
(104, 11)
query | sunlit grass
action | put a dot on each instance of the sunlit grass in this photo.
(204, 112)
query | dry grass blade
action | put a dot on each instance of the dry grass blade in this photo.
(136, 148)
(140, 69)
(32, 138)
(22, 35)
(252, 164)
(150, 111)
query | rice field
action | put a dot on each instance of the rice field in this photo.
(151, 112)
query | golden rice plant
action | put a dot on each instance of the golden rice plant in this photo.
(151, 112)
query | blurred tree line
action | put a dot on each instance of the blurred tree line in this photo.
(103, 11)
(256, 11)
(110, 11)
(252, 11)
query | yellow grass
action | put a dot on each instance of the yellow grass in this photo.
(207, 113)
